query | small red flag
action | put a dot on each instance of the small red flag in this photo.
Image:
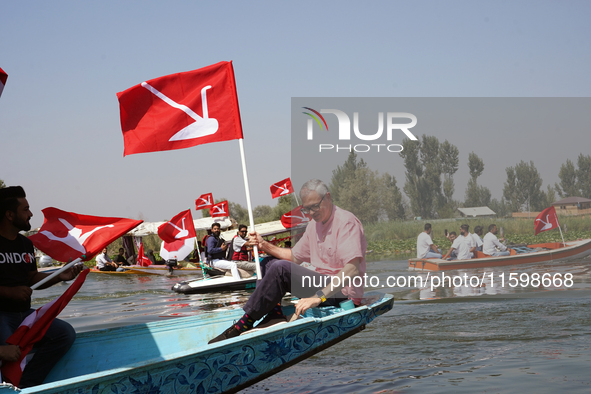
(34, 327)
(3, 78)
(162, 113)
(178, 228)
(141, 258)
(204, 201)
(67, 235)
(294, 217)
(546, 220)
(219, 210)
(281, 188)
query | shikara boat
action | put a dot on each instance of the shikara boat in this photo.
(173, 356)
(526, 254)
(214, 283)
(164, 270)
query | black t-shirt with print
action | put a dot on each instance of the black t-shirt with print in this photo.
(17, 260)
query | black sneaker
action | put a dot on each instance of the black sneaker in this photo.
(271, 319)
(229, 333)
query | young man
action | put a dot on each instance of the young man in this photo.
(216, 248)
(334, 243)
(18, 272)
(425, 247)
(463, 245)
(491, 243)
(104, 262)
(477, 238)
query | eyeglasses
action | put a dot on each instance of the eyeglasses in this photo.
(313, 208)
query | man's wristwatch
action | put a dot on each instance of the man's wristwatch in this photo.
(321, 295)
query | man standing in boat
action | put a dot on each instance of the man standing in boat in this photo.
(491, 243)
(425, 247)
(334, 243)
(18, 272)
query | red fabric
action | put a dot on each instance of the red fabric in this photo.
(219, 210)
(150, 122)
(141, 258)
(3, 78)
(178, 228)
(546, 220)
(204, 201)
(294, 218)
(66, 235)
(281, 188)
(33, 328)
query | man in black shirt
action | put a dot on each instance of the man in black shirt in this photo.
(18, 272)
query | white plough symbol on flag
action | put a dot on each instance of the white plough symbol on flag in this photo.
(201, 127)
(74, 238)
(183, 232)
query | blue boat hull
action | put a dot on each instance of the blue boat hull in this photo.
(173, 356)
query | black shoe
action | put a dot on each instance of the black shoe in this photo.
(229, 333)
(271, 319)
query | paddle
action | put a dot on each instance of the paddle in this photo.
(56, 273)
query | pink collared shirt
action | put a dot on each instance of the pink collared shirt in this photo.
(330, 246)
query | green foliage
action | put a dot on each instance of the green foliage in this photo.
(575, 181)
(2, 184)
(522, 188)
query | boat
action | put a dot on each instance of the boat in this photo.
(163, 270)
(521, 254)
(95, 270)
(173, 356)
(214, 283)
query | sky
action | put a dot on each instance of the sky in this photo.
(60, 133)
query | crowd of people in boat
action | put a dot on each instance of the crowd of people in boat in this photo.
(464, 246)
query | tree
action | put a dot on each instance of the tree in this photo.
(449, 159)
(343, 173)
(2, 184)
(568, 180)
(476, 196)
(360, 195)
(584, 175)
(392, 202)
(523, 188)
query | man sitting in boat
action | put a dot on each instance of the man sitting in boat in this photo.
(18, 272)
(464, 244)
(425, 247)
(477, 238)
(334, 243)
(240, 250)
(216, 252)
(104, 262)
(491, 245)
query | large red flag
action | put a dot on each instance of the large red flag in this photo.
(141, 258)
(219, 210)
(33, 328)
(66, 235)
(3, 78)
(162, 113)
(546, 220)
(178, 228)
(204, 201)
(294, 217)
(281, 188)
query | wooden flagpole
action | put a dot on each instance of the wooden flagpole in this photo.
(249, 205)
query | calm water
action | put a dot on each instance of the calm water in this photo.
(480, 338)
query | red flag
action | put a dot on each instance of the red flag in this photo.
(546, 220)
(33, 328)
(294, 217)
(178, 228)
(281, 188)
(219, 210)
(67, 235)
(204, 201)
(141, 258)
(3, 78)
(162, 113)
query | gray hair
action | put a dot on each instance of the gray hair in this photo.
(314, 185)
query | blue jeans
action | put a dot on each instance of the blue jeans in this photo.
(432, 255)
(505, 253)
(278, 276)
(55, 343)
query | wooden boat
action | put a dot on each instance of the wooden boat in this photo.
(172, 356)
(95, 270)
(214, 283)
(163, 270)
(552, 251)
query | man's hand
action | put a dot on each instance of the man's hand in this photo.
(306, 303)
(10, 353)
(255, 239)
(71, 272)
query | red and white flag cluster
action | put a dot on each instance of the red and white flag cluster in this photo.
(163, 113)
(281, 188)
(34, 327)
(66, 235)
(546, 220)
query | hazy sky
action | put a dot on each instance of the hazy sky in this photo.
(60, 135)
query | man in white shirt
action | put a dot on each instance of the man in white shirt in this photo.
(476, 236)
(464, 244)
(491, 245)
(425, 247)
(104, 262)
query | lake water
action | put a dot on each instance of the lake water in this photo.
(476, 338)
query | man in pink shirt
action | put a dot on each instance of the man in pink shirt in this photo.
(334, 243)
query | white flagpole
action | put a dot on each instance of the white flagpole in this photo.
(249, 206)
(56, 273)
(563, 243)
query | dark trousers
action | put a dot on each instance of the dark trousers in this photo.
(280, 277)
(55, 343)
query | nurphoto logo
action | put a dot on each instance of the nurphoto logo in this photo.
(344, 130)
